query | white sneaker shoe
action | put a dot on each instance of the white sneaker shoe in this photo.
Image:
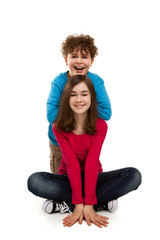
(112, 205)
(50, 206)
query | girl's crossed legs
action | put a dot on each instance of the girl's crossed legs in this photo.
(110, 185)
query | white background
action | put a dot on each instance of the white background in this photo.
(127, 34)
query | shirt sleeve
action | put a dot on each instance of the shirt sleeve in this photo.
(91, 165)
(104, 104)
(57, 86)
(73, 166)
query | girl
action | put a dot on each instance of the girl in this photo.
(81, 186)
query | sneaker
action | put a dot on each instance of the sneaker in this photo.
(110, 206)
(50, 206)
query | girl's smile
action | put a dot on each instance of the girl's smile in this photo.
(80, 99)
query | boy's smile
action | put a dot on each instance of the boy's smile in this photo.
(78, 62)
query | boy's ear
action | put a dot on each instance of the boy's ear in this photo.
(92, 61)
(66, 61)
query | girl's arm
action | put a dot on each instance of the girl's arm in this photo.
(91, 176)
(91, 165)
(72, 165)
(74, 175)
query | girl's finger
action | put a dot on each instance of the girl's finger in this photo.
(66, 217)
(88, 221)
(103, 220)
(97, 223)
(80, 219)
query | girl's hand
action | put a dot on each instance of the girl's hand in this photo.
(77, 215)
(92, 217)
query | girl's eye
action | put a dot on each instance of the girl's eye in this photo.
(74, 56)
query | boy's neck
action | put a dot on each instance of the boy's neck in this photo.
(68, 75)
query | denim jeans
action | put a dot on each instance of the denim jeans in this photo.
(110, 185)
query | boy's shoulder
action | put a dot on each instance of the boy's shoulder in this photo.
(61, 77)
(93, 75)
(60, 80)
(95, 78)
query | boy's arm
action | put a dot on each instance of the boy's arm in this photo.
(53, 101)
(57, 86)
(104, 105)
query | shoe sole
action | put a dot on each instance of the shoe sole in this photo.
(47, 206)
(112, 205)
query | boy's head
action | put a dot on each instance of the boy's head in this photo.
(79, 52)
(81, 42)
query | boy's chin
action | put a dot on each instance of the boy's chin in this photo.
(77, 73)
(80, 72)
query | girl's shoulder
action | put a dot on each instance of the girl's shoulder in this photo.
(55, 130)
(59, 132)
(101, 124)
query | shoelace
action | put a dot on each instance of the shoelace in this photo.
(62, 207)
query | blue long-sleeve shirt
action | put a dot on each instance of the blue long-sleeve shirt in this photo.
(57, 86)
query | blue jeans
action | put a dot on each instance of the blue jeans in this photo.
(110, 185)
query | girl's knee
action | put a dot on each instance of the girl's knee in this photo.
(137, 177)
(33, 180)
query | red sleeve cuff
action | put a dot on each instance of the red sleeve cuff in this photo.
(90, 200)
(77, 198)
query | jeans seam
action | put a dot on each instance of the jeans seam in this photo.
(110, 187)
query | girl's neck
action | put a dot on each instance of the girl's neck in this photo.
(80, 122)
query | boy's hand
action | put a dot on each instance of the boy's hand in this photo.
(92, 217)
(77, 215)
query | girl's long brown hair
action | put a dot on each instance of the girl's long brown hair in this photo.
(65, 119)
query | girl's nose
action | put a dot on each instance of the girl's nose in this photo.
(78, 99)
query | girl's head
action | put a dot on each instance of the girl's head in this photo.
(78, 98)
(79, 52)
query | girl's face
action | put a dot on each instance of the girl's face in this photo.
(80, 99)
(78, 63)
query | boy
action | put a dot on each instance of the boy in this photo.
(79, 52)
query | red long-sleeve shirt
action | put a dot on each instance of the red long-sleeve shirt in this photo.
(80, 153)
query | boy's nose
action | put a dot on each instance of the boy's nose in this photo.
(79, 59)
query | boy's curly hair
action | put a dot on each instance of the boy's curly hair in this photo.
(84, 42)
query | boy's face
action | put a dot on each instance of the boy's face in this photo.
(78, 62)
